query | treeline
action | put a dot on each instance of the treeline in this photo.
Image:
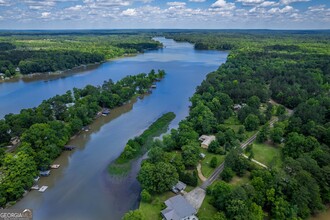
(294, 71)
(27, 54)
(44, 130)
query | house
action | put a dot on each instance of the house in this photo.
(17, 69)
(237, 107)
(202, 155)
(206, 140)
(178, 208)
(179, 187)
(2, 75)
(153, 86)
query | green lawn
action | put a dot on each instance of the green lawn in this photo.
(206, 169)
(240, 180)
(233, 123)
(152, 210)
(206, 211)
(266, 154)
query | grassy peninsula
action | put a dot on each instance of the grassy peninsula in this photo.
(140, 145)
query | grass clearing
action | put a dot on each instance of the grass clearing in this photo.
(152, 210)
(236, 181)
(266, 154)
(206, 169)
(206, 211)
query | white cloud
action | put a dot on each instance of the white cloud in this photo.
(197, 0)
(129, 12)
(76, 8)
(287, 2)
(268, 4)
(45, 14)
(250, 2)
(176, 4)
(316, 8)
(4, 3)
(284, 10)
(222, 4)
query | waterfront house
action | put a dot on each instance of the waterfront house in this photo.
(206, 140)
(179, 187)
(178, 208)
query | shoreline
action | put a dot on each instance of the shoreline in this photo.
(60, 73)
(95, 126)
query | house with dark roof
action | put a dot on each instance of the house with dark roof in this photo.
(178, 208)
(179, 187)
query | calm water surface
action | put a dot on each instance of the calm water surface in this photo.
(80, 188)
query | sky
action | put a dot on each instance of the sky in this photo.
(187, 14)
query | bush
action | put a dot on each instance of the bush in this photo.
(145, 196)
(189, 178)
(227, 174)
(214, 162)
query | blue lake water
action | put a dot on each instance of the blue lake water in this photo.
(80, 188)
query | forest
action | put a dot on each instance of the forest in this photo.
(45, 130)
(22, 53)
(293, 69)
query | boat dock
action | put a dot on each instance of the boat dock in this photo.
(43, 188)
(55, 166)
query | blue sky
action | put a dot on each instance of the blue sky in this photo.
(114, 14)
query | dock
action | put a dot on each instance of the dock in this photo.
(68, 147)
(55, 166)
(153, 86)
(43, 188)
(35, 187)
(44, 173)
(105, 112)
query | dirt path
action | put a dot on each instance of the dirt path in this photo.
(255, 161)
(200, 174)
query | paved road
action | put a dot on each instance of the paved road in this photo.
(221, 167)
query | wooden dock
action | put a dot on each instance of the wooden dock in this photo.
(43, 188)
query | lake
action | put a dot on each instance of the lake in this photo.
(81, 188)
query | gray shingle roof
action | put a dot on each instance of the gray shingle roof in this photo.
(177, 208)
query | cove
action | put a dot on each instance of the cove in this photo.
(81, 188)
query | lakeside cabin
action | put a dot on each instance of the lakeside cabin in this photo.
(44, 173)
(69, 148)
(206, 140)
